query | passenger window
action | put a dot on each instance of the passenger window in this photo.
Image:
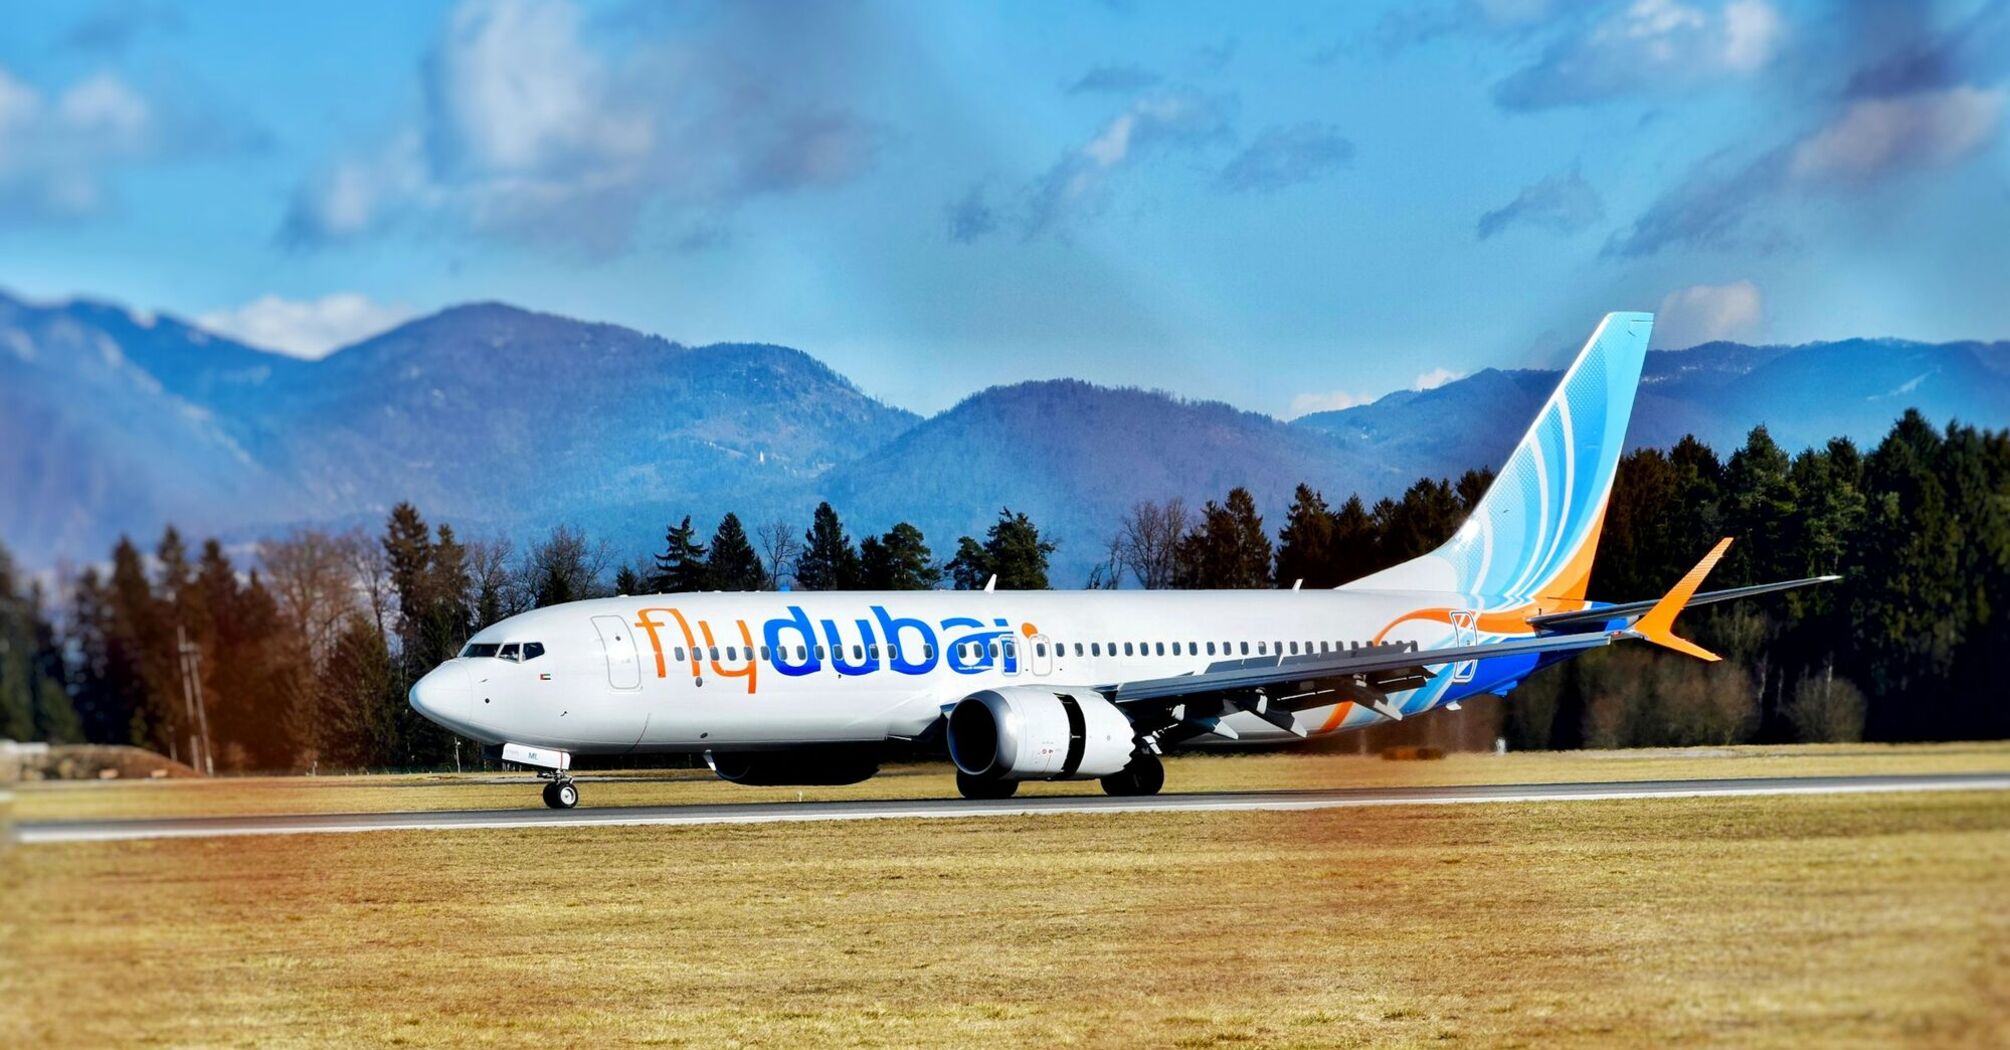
(1040, 649)
(1294, 648)
(1127, 648)
(1245, 648)
(802, 652)
(1078, 648)
(1210, 648)
(1162, 648)
(764, 652)
(715, 652)
(732, 653)
(927, 651)
(858, 652)
(679, 654)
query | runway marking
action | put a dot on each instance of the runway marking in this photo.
(37, 833)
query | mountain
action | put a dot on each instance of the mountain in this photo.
(103, 429)
(495, 418)
(1074, 457)
(502, 420)
(1804, 395)
(499, 415)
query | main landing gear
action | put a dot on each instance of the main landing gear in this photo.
(561, 792)
(1144, 776)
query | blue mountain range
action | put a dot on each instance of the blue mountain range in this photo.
(505, 421)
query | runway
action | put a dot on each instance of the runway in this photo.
(32, 833)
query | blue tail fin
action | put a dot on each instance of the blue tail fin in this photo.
(1533, 535)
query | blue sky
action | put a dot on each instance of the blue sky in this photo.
(1283, 207)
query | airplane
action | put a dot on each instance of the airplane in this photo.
(821, 688)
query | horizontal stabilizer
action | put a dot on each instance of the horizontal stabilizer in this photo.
(1607, 613)
(1658, 624)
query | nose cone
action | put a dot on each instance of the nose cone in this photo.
(445, 695)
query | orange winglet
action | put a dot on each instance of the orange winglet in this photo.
(1658, 624)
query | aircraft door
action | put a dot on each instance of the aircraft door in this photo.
(1043, 654)
(624, 671)
(1464, 632)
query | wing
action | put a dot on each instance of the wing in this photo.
(1274, 687)
(1167, 710)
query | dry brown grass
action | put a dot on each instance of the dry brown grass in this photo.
(1194, 772)
(1871, 920)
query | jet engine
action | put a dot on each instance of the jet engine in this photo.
(1026, 732)
(799, 768)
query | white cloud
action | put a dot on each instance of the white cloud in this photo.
(1752, 34)
(1306, 404)
(1076, 187)
(1706, 312)
(1877, 135)
(518, 91)
(536, 129)
(1435, 378)
(306, 328)
(1649, 46)
(54, 152)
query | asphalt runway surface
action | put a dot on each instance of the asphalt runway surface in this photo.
(772, 812)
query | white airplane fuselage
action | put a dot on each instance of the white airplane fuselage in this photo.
(746, 671)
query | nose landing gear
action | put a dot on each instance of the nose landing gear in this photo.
(561, 793)
(551, 765)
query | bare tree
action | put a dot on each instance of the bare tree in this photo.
(1149, 541)
(371, 566)
(496, 594)
(1108, 574)
(563, 567)
(312, 577)
(779, 547)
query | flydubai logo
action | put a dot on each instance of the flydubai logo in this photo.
(796, 646)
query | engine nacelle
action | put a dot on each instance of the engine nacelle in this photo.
(802, 768)
(1026, 732)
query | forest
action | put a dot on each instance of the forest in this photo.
(301, 647)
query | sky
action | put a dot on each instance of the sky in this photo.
(1289, 208)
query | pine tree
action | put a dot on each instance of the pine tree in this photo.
(1356, 542)
(681, 567)
(1012, 551)
(897, 561)
(732, 564)
(828, 562)
(408, 544)
(1305, 544)
(1229, 548)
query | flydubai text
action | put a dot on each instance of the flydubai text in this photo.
(794, 645)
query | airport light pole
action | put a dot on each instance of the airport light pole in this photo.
(193, 702)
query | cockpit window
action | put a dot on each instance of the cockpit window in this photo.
(508, 653)
(479, 649)
(532, 650)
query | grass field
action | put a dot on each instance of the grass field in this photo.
(1871, 920)
(1193, 772)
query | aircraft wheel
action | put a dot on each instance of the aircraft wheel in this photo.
(561, 795)
(1144, 776)
(984, 787)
